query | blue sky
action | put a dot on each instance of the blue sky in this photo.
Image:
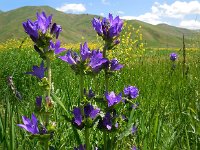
(182, 13)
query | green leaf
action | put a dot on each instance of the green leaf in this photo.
(57, 99)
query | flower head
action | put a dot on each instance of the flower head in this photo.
(71, 58)
(81, 147)
(173, 56)
(77, 116)
(85, 51)
(38, 102)
(30, 125)
(108, 28)
(114, 65)
(43, 22)
(56, 47)
(112, 98)
(97, 61)
(90, 93)
(55, 30)
(31, 29)
(90, 111)
(38, 71)
(131, 91)
(134, 129)
(106, 122)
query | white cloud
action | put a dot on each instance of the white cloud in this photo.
(105, 2)
(177, 10)
(120, 12)
(147, 17)
(190, 24)
(74, 8)
(102, 14)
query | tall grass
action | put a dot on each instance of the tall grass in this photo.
(167, 116)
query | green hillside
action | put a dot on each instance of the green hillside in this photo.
(77, 26)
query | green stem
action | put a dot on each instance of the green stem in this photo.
(49, 88)
(106, 72)
(81, 86)
(87, 138)
(106, 80)
(49, 76)
(46, 145)
(105, 140)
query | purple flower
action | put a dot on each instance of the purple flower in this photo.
(135, 106)
(97, 25)
(30, 125)
(131, 91)
(107, 121)
(112, 98)
(70, 58)
(56, 29)
(115, 26)
(44, 22)
(85, 51)
(77, 116)
(114, 65)
(108, 28)
(134, 129)
(90, 94)
(38, 102)
(134, 148)
(173, 56)
(56, 47)
(31, 29)
(38, 71)
(81, 147)
(97, 61)
(90, 111)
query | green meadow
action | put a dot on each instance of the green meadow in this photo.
(167, 117)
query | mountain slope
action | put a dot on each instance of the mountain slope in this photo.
(77, 26)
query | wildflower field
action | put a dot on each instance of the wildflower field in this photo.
(121, 97)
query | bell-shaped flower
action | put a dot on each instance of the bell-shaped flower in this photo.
(71, 58)
(114, 65)
(90, 93)
(81, 147)
(131, 91)
(115, 26)
(56, 47)
(112, 98)
(97, 25)
(106, 122)
(44, 22)
(90, 111)
(30, 125)
(31, 28)
(38, 71)
(84, 51)
(38, 102)
(55, 30)
(97, 61)
(77, 116)
(173, 56)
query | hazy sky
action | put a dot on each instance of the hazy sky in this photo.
(183, 13)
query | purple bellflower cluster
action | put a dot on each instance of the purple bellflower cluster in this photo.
(89, 112)
(42, 32)
(90, 60)
(108, 28)
(107, 116)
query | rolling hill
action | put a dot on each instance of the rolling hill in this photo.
(77, 26)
